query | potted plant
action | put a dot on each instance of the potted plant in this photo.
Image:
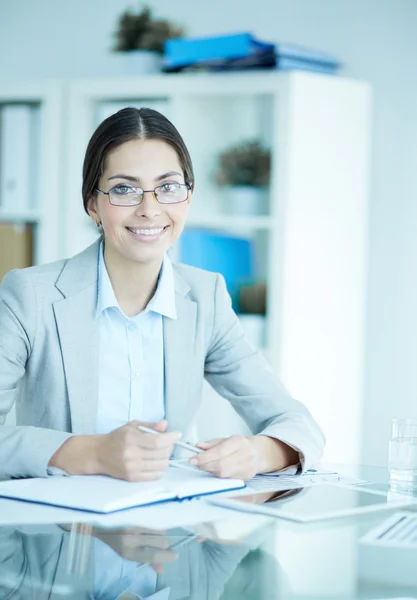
(244, 170)
(142, 38)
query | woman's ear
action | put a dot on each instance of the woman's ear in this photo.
(190, 193)
(92, 209)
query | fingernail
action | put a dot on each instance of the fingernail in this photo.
(193, 461)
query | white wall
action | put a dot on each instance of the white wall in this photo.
(377, 41)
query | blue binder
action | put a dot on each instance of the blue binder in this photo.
(286, 63)
(214, 251)
(301, 53)
(180, 52)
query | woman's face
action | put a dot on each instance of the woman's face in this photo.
(145, 164)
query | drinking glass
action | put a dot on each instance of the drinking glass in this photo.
(402, 461)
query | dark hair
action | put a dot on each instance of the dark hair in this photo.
(125, 125)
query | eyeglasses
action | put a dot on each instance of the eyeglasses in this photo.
(128, 195)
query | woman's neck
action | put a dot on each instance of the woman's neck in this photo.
(133, 283)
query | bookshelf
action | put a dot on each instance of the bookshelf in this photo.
(310, 246)
(45, 210)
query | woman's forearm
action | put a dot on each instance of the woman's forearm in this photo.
(77, 455)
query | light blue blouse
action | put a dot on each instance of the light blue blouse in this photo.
(131, 353)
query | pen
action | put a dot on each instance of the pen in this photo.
(175, 546)
(185, 445)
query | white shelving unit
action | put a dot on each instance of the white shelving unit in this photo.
(231, 223)
(48, 191)
(311, 246)
(28, 216)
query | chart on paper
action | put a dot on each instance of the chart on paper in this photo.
(276, 481)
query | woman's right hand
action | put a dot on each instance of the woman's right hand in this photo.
(131, 454)
(125, 453)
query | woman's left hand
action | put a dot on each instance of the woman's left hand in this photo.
(235, 457)
(242, 457)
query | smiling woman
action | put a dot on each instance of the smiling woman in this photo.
(141, 221)
(121, 337)
(139, 191)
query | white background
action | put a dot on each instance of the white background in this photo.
(377, 41)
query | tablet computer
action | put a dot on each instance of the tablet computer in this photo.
(308, 504)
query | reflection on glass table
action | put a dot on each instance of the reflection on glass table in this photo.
(80, 561)
(244, 557)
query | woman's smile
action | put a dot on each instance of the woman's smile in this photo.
(148, 234)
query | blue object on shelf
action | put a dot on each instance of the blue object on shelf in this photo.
(185, 51)
(240, 50)
(286, 63)
(214, 251)
(302, 53)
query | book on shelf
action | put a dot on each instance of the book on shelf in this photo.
(287, 63)
(19, 135)
(298, 52)
(230, 255)
(184, 51)
(16, 247)
(271, 61)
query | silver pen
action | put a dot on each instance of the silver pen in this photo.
(185, 445)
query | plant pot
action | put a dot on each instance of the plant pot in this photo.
(143, 62)
(247, 200)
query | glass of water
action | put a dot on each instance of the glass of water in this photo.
(402, 461)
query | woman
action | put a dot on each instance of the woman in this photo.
(93, 346)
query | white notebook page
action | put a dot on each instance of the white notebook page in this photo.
(103, 494)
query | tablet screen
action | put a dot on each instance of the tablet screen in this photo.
(314, 502)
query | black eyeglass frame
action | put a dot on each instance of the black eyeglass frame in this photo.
(155, 195)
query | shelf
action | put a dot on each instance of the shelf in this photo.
(231, 222)
(28, 216)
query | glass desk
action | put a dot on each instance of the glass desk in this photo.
(239, 557)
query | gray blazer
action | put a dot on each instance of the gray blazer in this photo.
(49, 341)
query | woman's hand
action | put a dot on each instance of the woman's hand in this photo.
(125, 453)
(128, 453)
(235, 456)
(243, 457)
(139, 545)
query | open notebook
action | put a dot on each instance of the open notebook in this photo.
(101, 494)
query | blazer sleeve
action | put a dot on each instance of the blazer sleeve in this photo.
(24, 450)
(241, 375)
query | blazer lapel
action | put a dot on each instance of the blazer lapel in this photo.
(78, 335)
(179, 338)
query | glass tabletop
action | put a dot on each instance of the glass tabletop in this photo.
(236, 556)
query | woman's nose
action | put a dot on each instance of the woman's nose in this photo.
(149, 205)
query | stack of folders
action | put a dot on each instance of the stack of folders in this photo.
(19, 139)
(242, 51)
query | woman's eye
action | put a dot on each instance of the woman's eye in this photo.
(170, 187)
(123, 189)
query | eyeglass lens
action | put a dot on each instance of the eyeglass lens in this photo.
(168, 193)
